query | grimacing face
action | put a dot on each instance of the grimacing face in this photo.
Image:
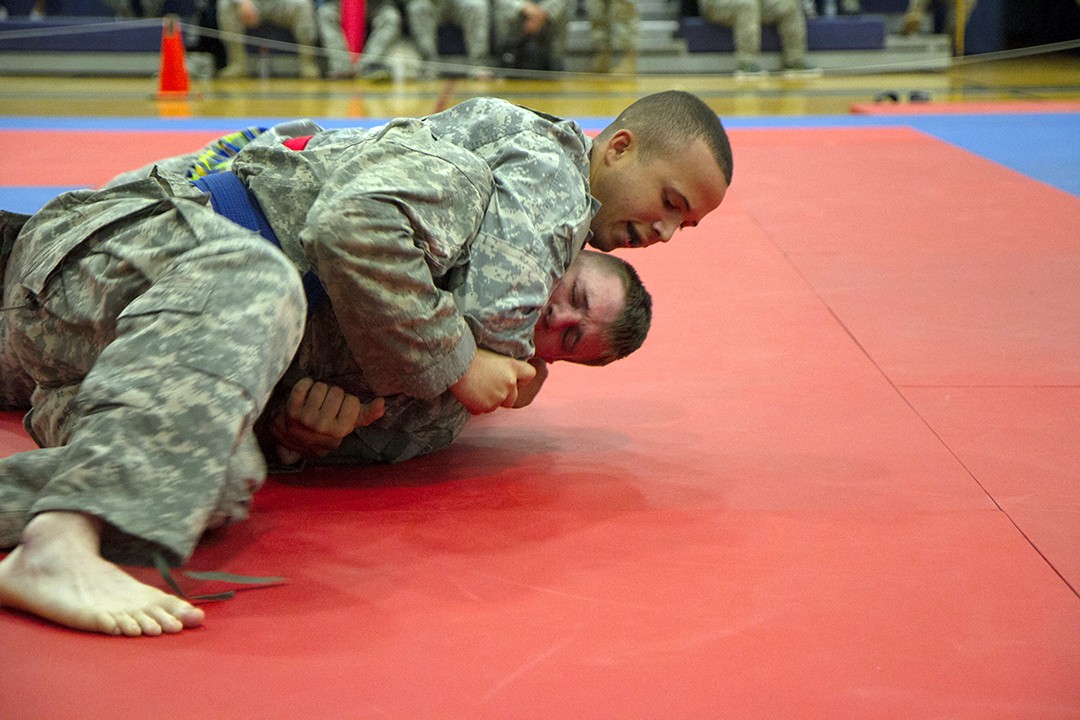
(583, 305)
(643, 203)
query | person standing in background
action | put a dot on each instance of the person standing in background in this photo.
(614, 25)
(236, 17)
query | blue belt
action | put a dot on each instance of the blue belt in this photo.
(230, 198)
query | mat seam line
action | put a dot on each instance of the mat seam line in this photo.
(897, 389)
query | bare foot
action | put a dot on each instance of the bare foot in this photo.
(58, 574)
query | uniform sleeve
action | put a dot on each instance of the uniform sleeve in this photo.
(503, 293)
(178, 164)
(536, 223)
(396, 215)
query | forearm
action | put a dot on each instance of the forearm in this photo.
(388, 225)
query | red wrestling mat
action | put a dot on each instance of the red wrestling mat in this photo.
(838, 482)
(86, 158)
(965, 108)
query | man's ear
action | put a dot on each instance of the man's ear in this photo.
(619, 144)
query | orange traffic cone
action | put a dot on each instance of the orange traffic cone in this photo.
(173, 79)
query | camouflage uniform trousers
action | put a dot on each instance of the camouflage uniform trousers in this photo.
(383, 17)
(384, 21)
(509, 24)
(328, 18)
(155, 343)
(747, 17)
(410, 427)
(15, 384)
(614, 25)
(472, 16)
(296, 16)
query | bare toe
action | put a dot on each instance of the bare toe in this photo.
(148, 625)
(181, 610)
(127, 625)
(166, 622)
(193, 618)
(102, 622)
(89, 593)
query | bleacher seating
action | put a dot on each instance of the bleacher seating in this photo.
(98, 28)
(674, 39)
(85, 8)
(94, 35)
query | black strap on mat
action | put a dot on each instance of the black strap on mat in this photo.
(250, 581)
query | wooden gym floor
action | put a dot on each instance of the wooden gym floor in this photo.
(1035, 77)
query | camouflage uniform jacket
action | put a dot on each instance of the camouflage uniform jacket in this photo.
(431, 237)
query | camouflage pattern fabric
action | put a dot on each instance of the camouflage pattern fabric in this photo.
(155, 331)
(472, 16)
(746, 18)
(15, 384)
(409, 427)
(429, 237)
(384, 29)
(537, 221)
(459, 223)
(508, 24)
(533, 225)
(614, 25)
(332, 37)
(399, 183)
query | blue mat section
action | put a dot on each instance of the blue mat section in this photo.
(28, 199)
(1043, 146)
(104, 34)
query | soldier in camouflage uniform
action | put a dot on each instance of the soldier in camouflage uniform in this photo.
(415, 426)
(531, 35)
(154, 330)
(490, 297)
(235, 17)
(614, 25)
(746, 18)
(472, 16)
(348, 204)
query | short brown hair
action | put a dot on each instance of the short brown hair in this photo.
(668, 120)
(629, 330)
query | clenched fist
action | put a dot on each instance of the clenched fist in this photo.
(492, 381)
(317, 418)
